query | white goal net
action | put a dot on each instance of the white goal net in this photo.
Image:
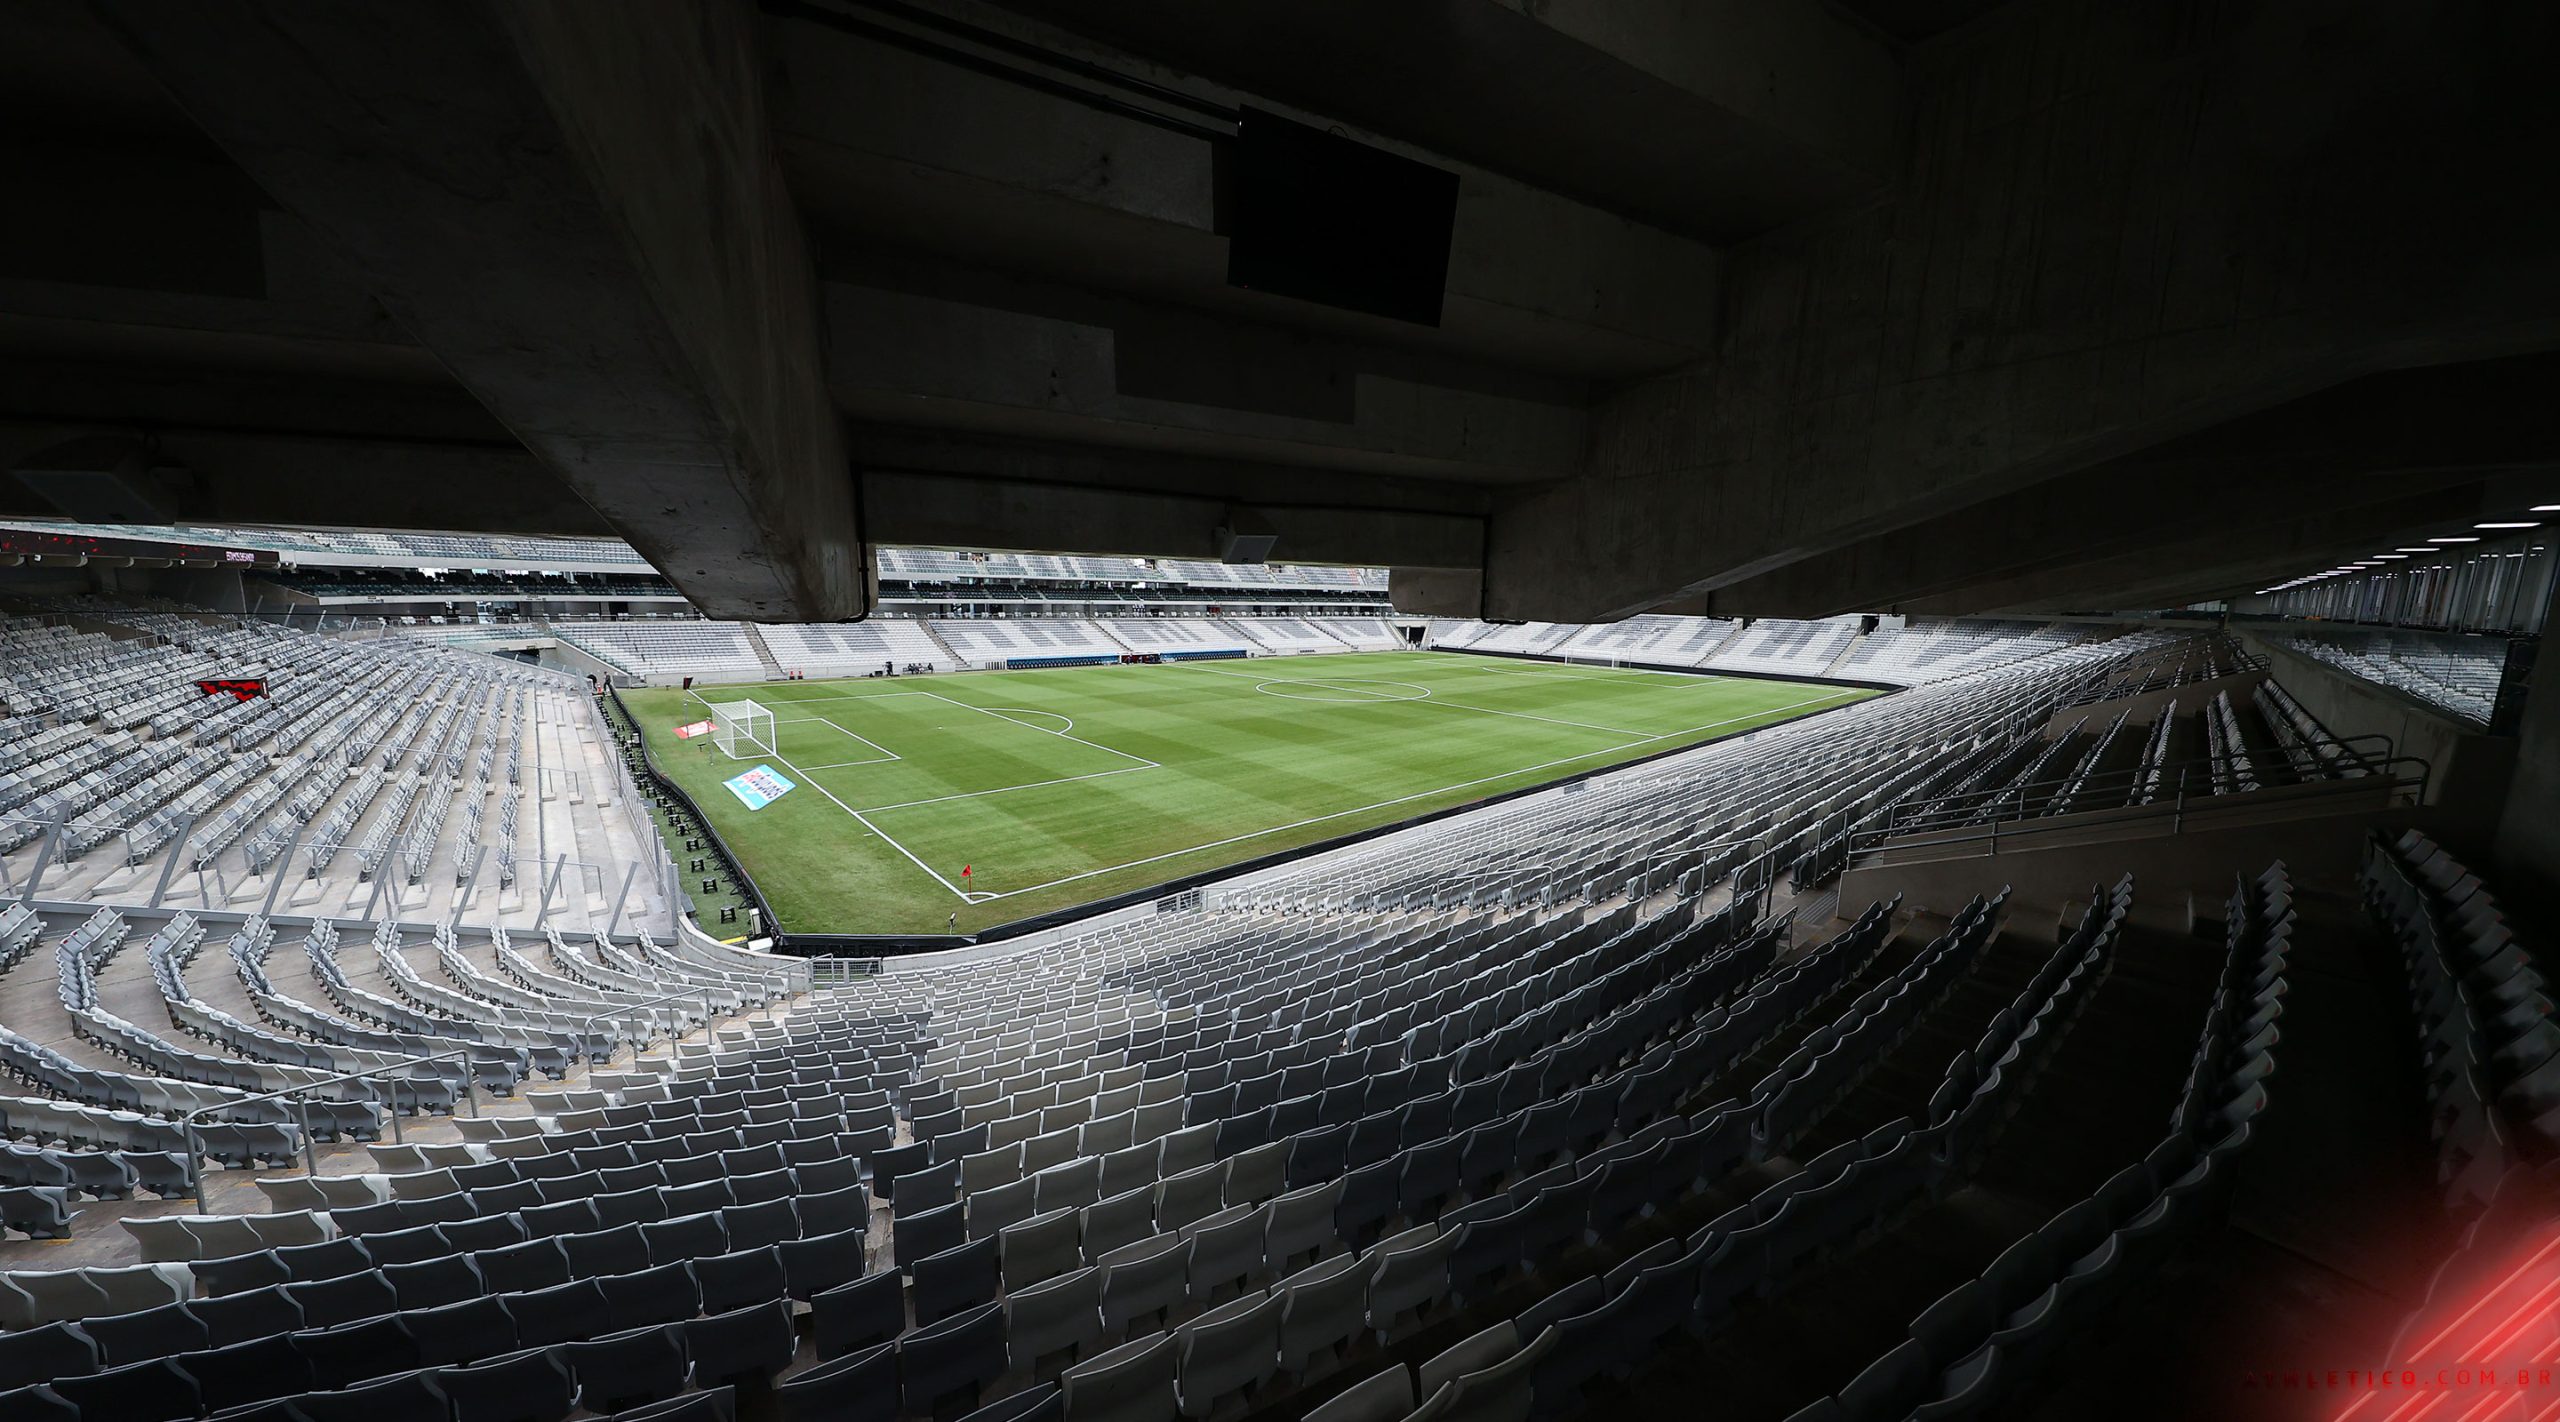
(742, 729)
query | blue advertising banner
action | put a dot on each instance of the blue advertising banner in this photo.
(758, 787)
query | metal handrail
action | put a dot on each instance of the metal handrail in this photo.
(311, 1151)
(2116, 687)
(709, 1011)
(2179, 809)
(1301, 893)
(795, 973)
(1914, 816)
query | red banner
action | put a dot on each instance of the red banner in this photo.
(698, 728)
(238, 688)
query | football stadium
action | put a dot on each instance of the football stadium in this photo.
(1058, 711)
(996, 797)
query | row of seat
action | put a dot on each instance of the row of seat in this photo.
(96, 1174)
(351, 1310)
(551, 1189)
(641, 1372)
(1543, 1360)
(36, 1211)
(1115, 1331)
(1973, 1351)
(2486, 1042)
(70, 1127)
(1589, 1198)
(1193, 1267)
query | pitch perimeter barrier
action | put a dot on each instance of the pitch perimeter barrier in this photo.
(667, 788)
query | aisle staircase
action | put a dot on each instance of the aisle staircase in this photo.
(948, 657)
(1732, 634)
(1847, 649)
(773, 670)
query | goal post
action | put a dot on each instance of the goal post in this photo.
(742, 729)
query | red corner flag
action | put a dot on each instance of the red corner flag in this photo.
(964, 871)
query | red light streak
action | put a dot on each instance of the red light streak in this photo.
(2506, 1336)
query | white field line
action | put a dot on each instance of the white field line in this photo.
(1344, 683)
(1028, 711)
(1427, 696)
(1593, 671)
(1525, 716)
(1425, 794)
(812, 782)
(980, 897)
(847, 696)
(1009, 789)
(1062, 735)
(886, 755)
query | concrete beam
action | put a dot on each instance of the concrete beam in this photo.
(899, 151)
(2059, 526)
(288, 397)
(1799, 73)
(216, 476)
(926, 487)
(1035, 362)
(960, 511)
(576, 209)
(1717, 118)
(1436, 592)
(2367, 441)
(973, 455)
(2111, 228)
(2238, 556)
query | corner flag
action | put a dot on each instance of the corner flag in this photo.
(964, 871)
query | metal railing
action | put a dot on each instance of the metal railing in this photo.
(2154, 784)
(188, 1123)
(710, 1011)
(2174, 666)
(840, 972)
(1298, 895)
(1993, 816)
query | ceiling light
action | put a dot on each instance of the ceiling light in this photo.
(2391, 556)
(2506, 525)
(2453, 540)
(2417, 550)
(2546, 508)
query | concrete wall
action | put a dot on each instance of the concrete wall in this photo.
(2469, 771)
(221, 589)
(33, 582)
(2115, 225)
(553, 652)
(2527, 849)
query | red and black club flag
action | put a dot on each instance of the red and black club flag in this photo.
(238, 688)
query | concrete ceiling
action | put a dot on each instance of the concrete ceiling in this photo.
(1717, 119)
(1770, 308)
(1912, 21)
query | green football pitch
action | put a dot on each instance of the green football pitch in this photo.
(1054, 788)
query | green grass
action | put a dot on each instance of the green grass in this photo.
(1060, 787)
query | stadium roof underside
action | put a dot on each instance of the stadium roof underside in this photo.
(1750, 310)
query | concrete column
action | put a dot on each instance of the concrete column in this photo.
(575, 207)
